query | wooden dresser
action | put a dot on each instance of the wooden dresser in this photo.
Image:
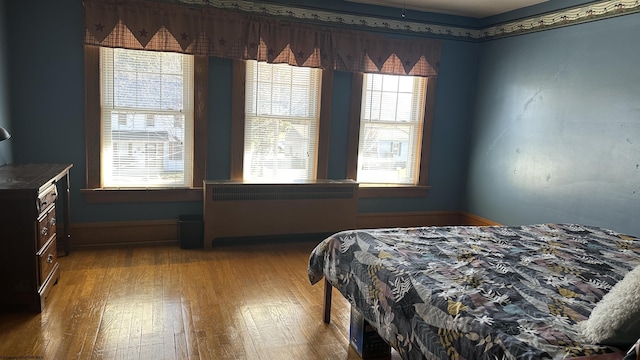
(28, 238)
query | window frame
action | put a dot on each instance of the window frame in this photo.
(390, 190)
(93, 191)
(256, 113)
(238, 96)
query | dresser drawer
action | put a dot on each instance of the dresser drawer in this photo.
(47, 198)
(47, 259)
(29, 205)
(46, 227)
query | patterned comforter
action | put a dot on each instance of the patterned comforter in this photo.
(478, 292)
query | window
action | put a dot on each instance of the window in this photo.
(282, 114)
(389, 134)
(390, 129)
(147, 119)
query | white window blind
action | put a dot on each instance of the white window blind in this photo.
(147, 118)
(391, 129)
(281, 122)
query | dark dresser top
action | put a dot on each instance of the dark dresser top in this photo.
(30, 176)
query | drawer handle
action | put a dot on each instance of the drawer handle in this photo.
(50, 258)
(44, 231)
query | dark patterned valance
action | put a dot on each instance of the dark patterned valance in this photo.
(202, 30)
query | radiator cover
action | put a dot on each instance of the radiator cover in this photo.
(237, 209)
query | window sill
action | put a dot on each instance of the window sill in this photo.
(102, 195)
(392, 190)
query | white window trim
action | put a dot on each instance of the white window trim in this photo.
(253, 113)
(188, 112)
(415, 127)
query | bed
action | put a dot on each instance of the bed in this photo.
(473, 292)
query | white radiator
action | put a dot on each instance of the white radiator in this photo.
(235, 209)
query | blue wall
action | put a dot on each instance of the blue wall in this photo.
(534, 128)
(6, 156)
(45, 52)
(556, 130)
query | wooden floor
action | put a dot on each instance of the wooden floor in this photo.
(230, 302)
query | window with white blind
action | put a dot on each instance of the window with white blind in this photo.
(147, 119)
(391, 121)
(282, 113)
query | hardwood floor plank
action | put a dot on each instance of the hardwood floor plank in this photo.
(162, 302)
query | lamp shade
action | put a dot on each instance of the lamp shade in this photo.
(4, 134)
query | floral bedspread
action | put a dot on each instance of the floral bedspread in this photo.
(478, 292)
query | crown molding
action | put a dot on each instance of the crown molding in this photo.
(570, 16)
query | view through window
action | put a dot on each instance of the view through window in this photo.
(147, 118)
(282, 113)
(391, 121)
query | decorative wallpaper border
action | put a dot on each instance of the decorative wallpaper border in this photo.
(570, 16)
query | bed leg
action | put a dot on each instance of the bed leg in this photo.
(327, 301)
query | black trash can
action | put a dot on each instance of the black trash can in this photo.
(190, 231)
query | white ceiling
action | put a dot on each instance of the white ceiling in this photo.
(470, 8)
